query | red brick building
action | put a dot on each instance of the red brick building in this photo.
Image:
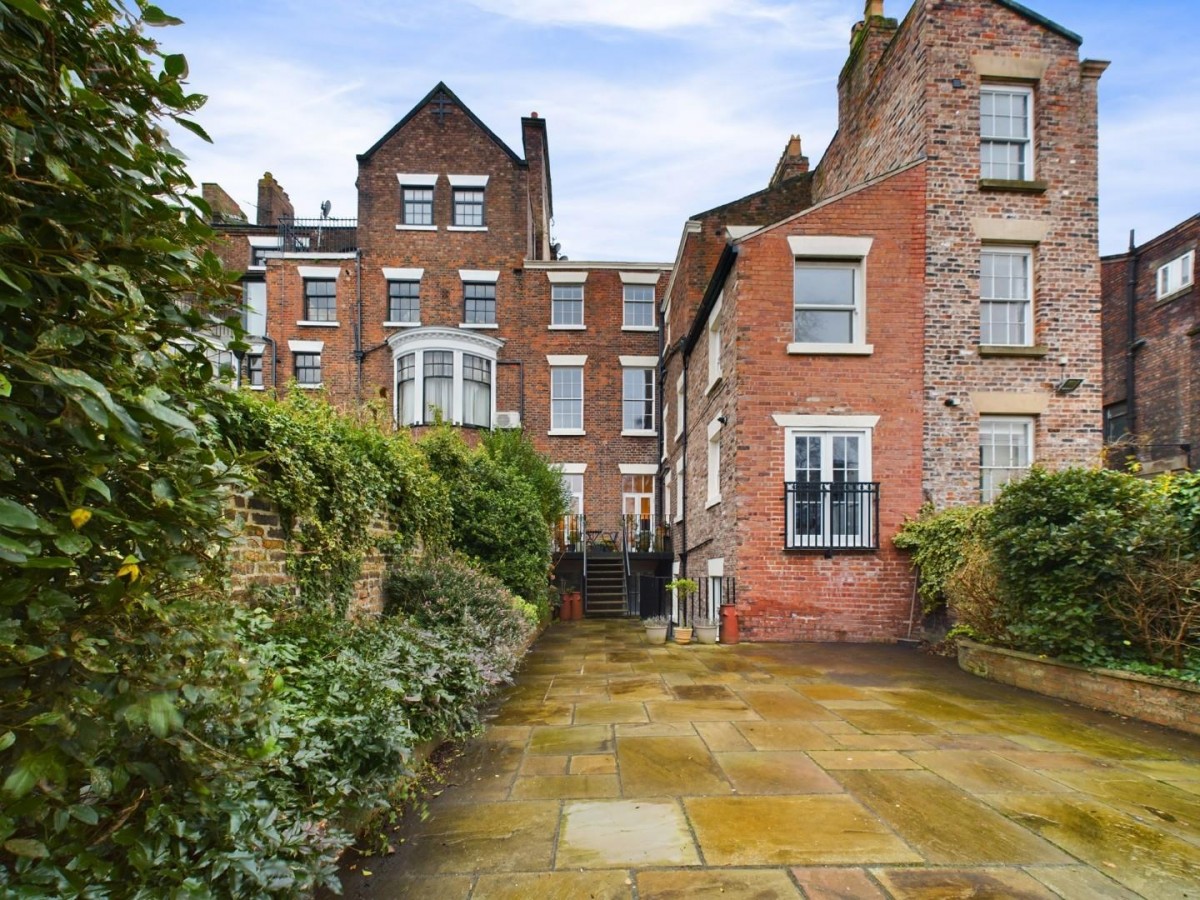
(916, 319)
(921, 325)
(1152, 352)
(446, 296)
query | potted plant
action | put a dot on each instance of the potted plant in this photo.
(683, 588)
(656, 629)
(706, 629)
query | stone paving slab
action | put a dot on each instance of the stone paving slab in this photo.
(615, 769)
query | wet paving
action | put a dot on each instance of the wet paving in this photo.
(616, 769)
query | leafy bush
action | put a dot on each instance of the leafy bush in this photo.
(1057, 540)
(941, 543)
(447, 592)
(505, 499)
(331, 477)
(1157, 603)
(973, 596)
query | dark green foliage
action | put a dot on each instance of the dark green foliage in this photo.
(1057, 540)
(435, 590)
(940, 542)
(331, 476)
(502, 506)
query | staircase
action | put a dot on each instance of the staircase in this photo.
(605, 586)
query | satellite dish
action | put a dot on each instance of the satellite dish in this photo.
(325, 207)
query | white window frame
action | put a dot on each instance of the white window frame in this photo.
(1024, 143)
(827, 428)
(417, 341)
(648, 366)
(680, 412)
(666, 427)
(254, 299)
(714, 343)
(1176, 275)
(680, 492)
(713, 473)
(1025, 425)
(833, 252)
(636, 282)
(667, 483)
(464, 183)
(1007, 250)
(555, 301)
(568, 363)
(716, 585)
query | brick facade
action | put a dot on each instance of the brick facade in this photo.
(1159, 359)
(898, 205)
(904, 170)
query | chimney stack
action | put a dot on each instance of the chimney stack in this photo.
(873, 8)
(273, 202)
(793, 162)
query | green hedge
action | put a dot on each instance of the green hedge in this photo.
(1087, 565)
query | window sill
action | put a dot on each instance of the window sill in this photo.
(1033, 352)
(1175, 294)
(712, 384)
(401, 324)
(566, 328)
(1020, 187)
(309, 387)
(416, 228)
(831, 349)
(639, 328)
(484, 326)
(712, 501)
(308, 323)
(256, 387)
(566, 432)
(466, 228)
(639, 433)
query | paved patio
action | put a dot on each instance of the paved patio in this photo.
(614, 769)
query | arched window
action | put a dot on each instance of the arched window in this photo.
(442, 371)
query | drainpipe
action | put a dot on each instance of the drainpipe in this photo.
(359, 356)
(683, 544)
(1133, 345)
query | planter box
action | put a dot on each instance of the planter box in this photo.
(1172, 704)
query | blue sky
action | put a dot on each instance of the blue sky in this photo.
(655, 109)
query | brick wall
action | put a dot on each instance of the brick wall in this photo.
(1167, 363)
(259, 554)
(801, 594)
(1122, 693)
(959, 40)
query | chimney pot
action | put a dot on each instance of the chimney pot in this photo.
(873, 8)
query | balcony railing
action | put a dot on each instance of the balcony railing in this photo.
(611, 534)
(832, 515)
(318, 235)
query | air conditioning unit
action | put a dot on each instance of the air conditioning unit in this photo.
(508, 420)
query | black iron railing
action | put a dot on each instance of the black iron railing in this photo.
(620, 534)
(832, 515)
(318, 235)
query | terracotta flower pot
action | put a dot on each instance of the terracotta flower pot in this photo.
(683, 634)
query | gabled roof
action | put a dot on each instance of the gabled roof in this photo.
(1041, 20)
(426, 100)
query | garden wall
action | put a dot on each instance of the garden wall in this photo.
(1125, 693)
(258, 555)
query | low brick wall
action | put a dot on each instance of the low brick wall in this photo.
(258, 555)
(1125, 693)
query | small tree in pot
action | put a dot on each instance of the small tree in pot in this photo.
(684, 589)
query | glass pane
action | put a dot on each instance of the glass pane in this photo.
(823, 326)
(824, 286)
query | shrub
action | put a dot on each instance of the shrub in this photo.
(1057, 539)
(973, 596)
(499, 506)
(440, 591)
(1157, 603)
(941, 542)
